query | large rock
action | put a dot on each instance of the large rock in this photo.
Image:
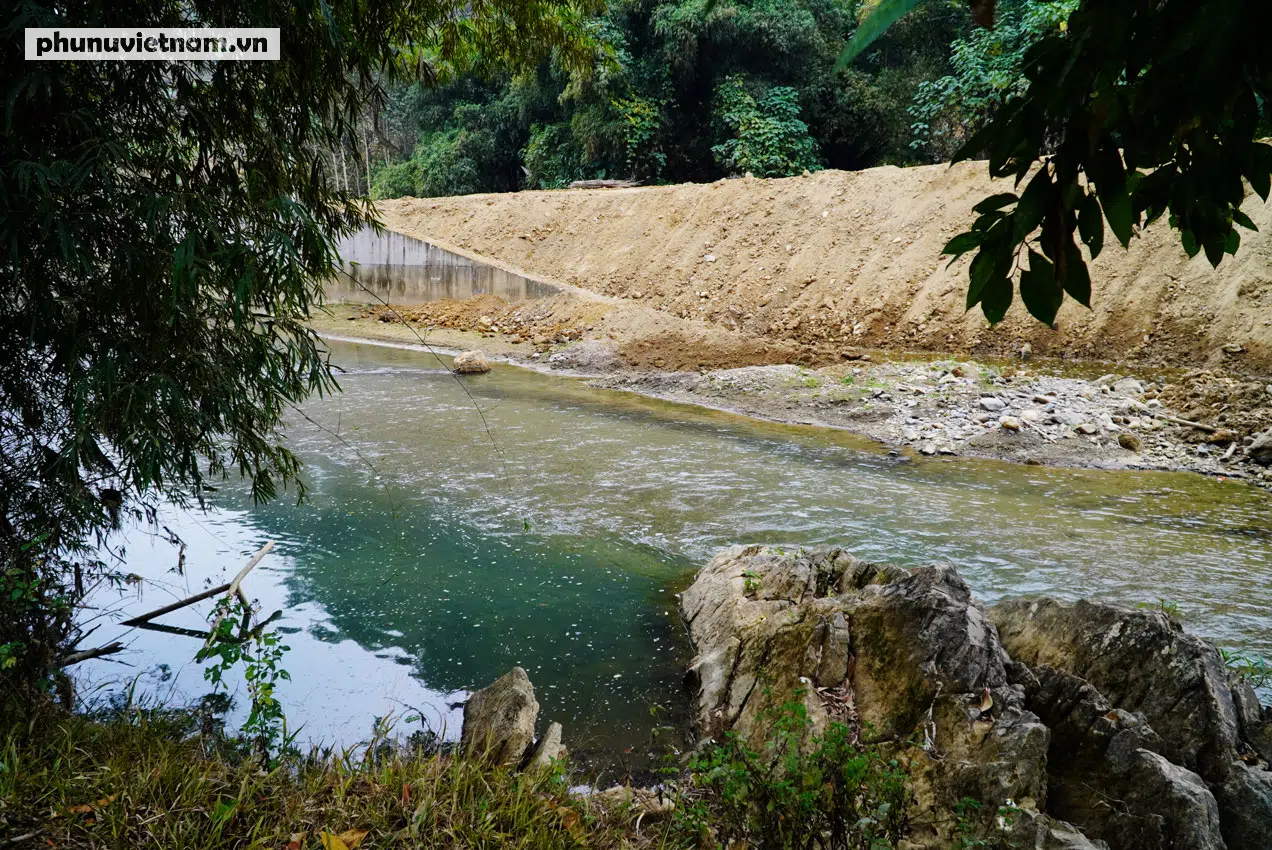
(1106, 772)
(471, 362)
(1260, 451)
(499, 720)
(908, 656)
(548, 750)
(1144, 662)
(1105, 727)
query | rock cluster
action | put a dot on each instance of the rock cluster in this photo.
(499, 723)
(1102, 726)
(948, 407)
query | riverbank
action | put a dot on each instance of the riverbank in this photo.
(155, 779)
(1036, 411)
(809, 266)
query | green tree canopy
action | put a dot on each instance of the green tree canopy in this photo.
(661, 106)
(166, 229)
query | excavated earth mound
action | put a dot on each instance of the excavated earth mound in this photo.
(805, 266)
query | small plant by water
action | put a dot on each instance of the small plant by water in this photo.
(1166, 606)
(796, 791)
(968, 834)
(1256, 671)
(260, 655)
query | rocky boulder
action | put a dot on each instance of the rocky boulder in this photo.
(1104, 727)
(548, 750)
(1145, 663)
(908, 657)
(1260, 451)
(470, 362)
(1105, 772)
(499, 720)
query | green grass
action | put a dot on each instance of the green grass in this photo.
(147, 779)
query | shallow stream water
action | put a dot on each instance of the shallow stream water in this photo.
(459, 526)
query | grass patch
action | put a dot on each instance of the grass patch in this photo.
(151, 779)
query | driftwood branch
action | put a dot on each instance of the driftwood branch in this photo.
(233, 589)
(86, 654)
(1175, 420)
(230, 588)
(173, 630)
(243, 637)
(167, 609)
(603, 184)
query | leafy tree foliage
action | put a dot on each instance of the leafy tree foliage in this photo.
(166, 228)
(767, 138)
(654, 108)
(1137, 109)
(988, 70)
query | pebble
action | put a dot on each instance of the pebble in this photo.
(1087, 428)
(992, 404)
(1130, 442)
(1010, 423)
(1128, 386)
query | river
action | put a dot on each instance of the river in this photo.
(456, 527)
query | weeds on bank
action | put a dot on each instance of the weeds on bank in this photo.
(1256, 671)
(149, 779)
(796, 791)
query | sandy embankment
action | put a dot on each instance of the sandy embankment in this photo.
(678, 281)
(744, 271)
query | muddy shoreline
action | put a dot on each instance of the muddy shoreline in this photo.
(1029, 412)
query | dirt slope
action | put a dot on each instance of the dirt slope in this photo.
(841, 259)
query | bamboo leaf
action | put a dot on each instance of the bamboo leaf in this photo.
(876, 23)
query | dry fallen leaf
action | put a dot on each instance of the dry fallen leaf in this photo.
(331, 842)
(297, 840)
(85, 808)
(352, 837)
(986, 701)
(347, 840)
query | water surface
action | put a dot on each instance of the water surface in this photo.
(459, 526)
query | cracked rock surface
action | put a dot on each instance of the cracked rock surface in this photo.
(1105, 727)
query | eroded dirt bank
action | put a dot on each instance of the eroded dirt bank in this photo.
(745, 271)
(824, 300)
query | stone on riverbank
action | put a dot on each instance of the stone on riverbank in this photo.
(1145, 662)
(1113, 720)
(1260, 451)
(548, 750)
(499, 720)
(909, 651)
(471, 362)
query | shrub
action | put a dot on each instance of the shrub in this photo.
(551, 157)
(768, 137)
(798, 790)
(394, 181)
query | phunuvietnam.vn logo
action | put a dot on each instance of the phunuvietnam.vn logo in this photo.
(194, 44)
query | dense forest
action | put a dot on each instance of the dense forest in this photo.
(686, 91)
